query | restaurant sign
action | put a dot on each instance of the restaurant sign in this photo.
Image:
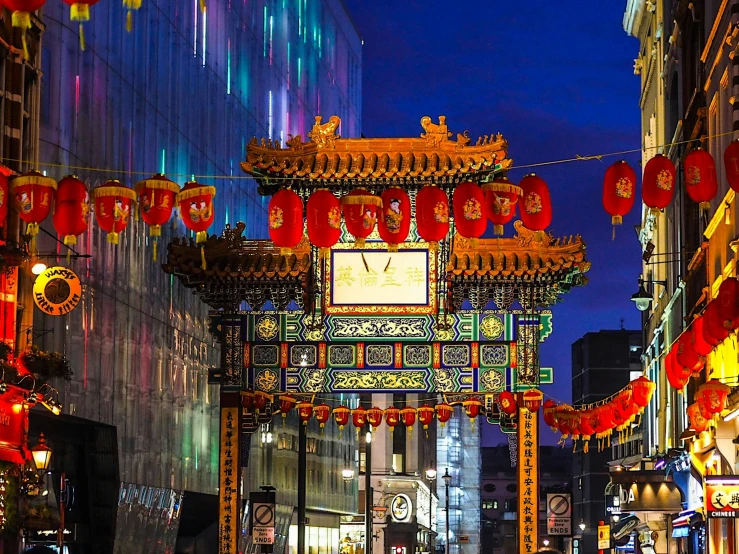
(13, 431)
(528, 481)
(721, 497)
(57, 291)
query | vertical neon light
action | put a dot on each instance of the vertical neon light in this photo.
(270, 39)
(196, 9)
(164, 159)
(299, 71)
(288, 65)
(228, 68)
(77, 94)
(205, 27)
(269, 116)
(300, 16)
(320, 44)
(264, 48)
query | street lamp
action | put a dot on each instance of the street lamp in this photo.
(431, 474)
(38, 268)
(347, 475)
(447, 481)
(642, 298)
(545, 542)
(582, 525)
(41, 454)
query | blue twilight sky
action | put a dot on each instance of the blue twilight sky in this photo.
(556, 79)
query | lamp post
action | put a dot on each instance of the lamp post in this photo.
(431, 478)
(42, 459)
(447, 480)
(642, 298)
(368, 513)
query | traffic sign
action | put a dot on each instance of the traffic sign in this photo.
(604, 536)
(561, 526)
(264, 515)
(559, 505)
(263, 535)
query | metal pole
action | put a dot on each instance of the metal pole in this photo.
(368, 499)
(62, 510)
(431, 518)
(302, 470)
(446, 486)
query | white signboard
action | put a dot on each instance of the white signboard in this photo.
(263, 523)
(263, 535)
(559, 514)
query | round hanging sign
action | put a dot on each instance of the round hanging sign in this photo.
(400, 508)
(57, 291)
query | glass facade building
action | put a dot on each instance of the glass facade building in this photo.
(181, 94)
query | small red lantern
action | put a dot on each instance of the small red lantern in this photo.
(196, 208)
(658, 183)
(686, 355)
(33, 195)
(715, 394)
(360, 213)
(469, 212)
(247, 400)
(392, 417)
(285, 214)
(700, 398)
(728, 303)
(675, 374)
(443, 412)
(305, 412)
(536, 203)
(359, 418)
(619, 191)
(501, 197)
(21, 17)
(642, 390)
(432, 214)
(322, 413)
(702, 347)
(79, 10)
(586, 429)
(697, 422)
(395, 217)
(563, 419)
(323, 214)
(550, 406)
(507, 403)
(341, 416)
(71, 209)
(714, 331)
(156, 201)
(287, 403)
(408, 416)
(113, 202)
(731, 164)
(532, 399)
(374, 417)
(701, 182)
(425, 417)
(261, 400)
(472, 408)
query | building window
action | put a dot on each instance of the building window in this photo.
(488, 487)
(398, 463)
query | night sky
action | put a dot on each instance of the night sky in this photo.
(557, 80)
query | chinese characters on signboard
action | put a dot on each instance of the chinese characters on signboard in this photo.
(228, 482)
(722, 497)
(528, 481)
(400, 281)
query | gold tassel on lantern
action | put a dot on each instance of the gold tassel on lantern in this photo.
(69, 241)
(155, 231)
(202, 6)
(22, 20)
(80, 12)
(202, 258)
(113, 237)
(130, 5)
(32, 231)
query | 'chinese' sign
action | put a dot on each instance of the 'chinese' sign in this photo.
(722, 497)
(528, 481)
(228, 482)
(377, 281)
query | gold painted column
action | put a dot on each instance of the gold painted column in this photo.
(528, 481)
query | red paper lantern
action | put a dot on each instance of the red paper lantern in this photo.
(341, 416)
(619, 191)
(408, 416)
(305, 412)
(21, 17)
(686, 356)
(469, 212)
(697, 422)
(374, 417)
(71, 209)
(432, 214)
(443, 412)
(586, 425)
(359, 418)
(79, 10)
(33, 194)
(700, 398)
(536, 203)
(658, 183)
(113, 202)
(285, 220)
(715, 394)
(322, 413)
(702, 347)
(714, 331)
(701, 182)
(642, 390)
(731, 164)
(392, 417)
(360, 213)
(395, 217)
(247, 400)
(501, 197)
(728, 303)
(550, 407)
(196, 208)
(532, 399)
(674, 373)
(287, 403)
(507, 403)
(563, 419)
(261, 400)
(426, 416)
(156, 201)
(323, 214)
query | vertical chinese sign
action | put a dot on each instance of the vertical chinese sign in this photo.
(228, 482)
(528, 481)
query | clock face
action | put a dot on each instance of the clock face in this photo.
(400, 508)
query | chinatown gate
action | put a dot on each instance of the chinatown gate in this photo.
(462, 319)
